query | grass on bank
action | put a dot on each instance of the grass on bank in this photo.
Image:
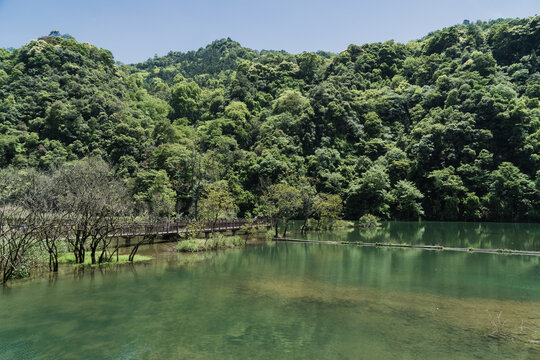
(69, 258)
(218, 242)
(336, 224)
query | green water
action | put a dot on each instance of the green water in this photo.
(281, 301)
(449, 234)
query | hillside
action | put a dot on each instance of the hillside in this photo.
(446, 127)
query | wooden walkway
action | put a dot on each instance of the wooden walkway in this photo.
(423, 247)
(182, 227)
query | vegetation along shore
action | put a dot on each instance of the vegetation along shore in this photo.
(446, 127)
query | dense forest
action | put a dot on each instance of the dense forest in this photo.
(446, 127)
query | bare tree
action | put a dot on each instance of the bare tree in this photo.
(17, 236)
(17, 225)
(95, 200)
(50, 231)
(148, 235)
(81, 203)
(107, 232)
(49, 221)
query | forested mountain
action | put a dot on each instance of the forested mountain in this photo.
(446, 127)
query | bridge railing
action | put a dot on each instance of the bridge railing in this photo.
(179, 226)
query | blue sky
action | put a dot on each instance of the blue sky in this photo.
(135, 30)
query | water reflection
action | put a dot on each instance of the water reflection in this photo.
(281, 301)
(449, 234)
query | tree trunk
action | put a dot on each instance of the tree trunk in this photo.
(93, 254)
(286, 226)
(53, 261)
(304, 226)
(76, 253)
(214, 224)
(133, 252)
(55, 258)
(6, 275)
(78, 250)
(276, 225)
(102, 255)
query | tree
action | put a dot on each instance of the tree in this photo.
(17, 237)
(464, 98)
(447, 193)
(40, 199)
(148, 235)
(217, 203)
(370, 193)
(237, 111)
(484, 63)
(327, 208)
(50, 232)
(186, 100)
(282, 201)
(18, 226)
(95, 201)
(511, 193)
(153, 193)
(308, 194)
(291, 101)
(406, 200)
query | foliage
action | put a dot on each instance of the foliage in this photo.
(406, 200)
(194, 228)
(440, 127)
(281, 201)
(343, 224)
(191, 245)
(327, 209)
(369, 221)
(69, 258)
(217, 242)
(217, 203)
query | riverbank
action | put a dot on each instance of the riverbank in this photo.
(69, 258)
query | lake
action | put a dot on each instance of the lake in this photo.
(449, 234)
(290, 301)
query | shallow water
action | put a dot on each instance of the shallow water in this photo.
(282, 301)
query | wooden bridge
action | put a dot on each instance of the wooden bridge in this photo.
(182, 227)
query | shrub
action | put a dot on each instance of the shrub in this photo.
(369, 221)
(191, 245)
(269, 235)
(218, 242)
(342, 224)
